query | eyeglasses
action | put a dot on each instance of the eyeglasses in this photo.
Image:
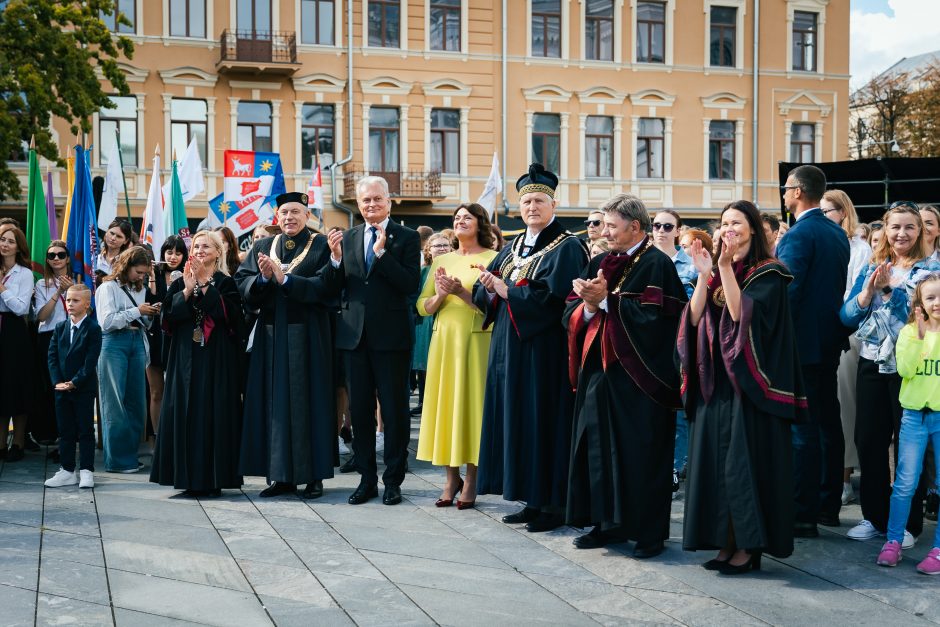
(784, 188)
(592, 223)
(826, 212)
(442, 246)
(53, 255)
(664, 227)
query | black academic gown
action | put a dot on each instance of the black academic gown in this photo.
(289, 432)
(622, 362)
(526, 435)
(200, 420)
(742, 389)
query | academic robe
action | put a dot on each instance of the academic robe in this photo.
(526, 434)
(200, 419)
(742, 388)
(289, 432)
(622, 364)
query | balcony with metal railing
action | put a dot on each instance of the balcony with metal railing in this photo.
(409, 185)
(258, 52)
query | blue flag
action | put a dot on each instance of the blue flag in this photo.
(83, 223)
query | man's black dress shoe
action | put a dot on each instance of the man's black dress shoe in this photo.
(349, 465)
(314, 490)
(646, 551)
(277, 489)
(828, 520)
(363, 494)
(805, 530)
(416, 411)
(522, 516)
(392, 495)
(545, 522)
(596, 538)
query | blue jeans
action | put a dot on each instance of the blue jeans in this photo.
(916, 428)
(681, 456)
(122, 377)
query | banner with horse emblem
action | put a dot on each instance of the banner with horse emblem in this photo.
(252, 180)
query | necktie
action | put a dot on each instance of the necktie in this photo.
(72, 334)
(370, 249)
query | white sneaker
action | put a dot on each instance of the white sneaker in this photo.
(864, 531)
(379, 441)
(87, 479)
(848, 494)
(62, 478)
(909, 540)
(343, 449)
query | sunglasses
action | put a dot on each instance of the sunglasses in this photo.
(666, 228)
(52, 255)
(592, 223)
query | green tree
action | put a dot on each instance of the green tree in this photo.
(50, 55)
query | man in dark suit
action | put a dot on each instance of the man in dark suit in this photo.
(378, 266)
(73, 361)
(816, 251)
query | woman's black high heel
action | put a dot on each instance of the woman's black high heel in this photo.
(753, 563)
(715, 564)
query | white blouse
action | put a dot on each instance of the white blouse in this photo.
(19, 290)
(115, 310)
(43, 293)
(859, 258)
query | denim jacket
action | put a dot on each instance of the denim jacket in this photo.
(687, 272)
(879, 324)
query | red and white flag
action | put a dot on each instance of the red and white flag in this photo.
(315, 193)
(251, 181)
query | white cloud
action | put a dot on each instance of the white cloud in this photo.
(879, 41)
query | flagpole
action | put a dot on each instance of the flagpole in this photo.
(117, 138)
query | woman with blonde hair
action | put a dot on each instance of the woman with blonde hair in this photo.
(200, 423)
(931, 217)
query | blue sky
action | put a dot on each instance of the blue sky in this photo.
(885, 31)
(874, 6)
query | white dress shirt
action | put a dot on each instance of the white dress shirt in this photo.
(19, 290)
(74, 327)
(43, 293)
(366, 240)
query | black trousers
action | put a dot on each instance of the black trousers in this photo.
(877, 421)
(372, 374)
(75, 416)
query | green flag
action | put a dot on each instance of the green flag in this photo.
(37, 218)
(174, 215)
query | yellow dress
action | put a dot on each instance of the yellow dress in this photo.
(453, 394)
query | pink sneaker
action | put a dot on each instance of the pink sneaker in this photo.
(931, 563)
(891, 554)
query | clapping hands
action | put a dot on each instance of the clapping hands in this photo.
(445, 284)
(701, 258)
(591, 291)
(493, 283)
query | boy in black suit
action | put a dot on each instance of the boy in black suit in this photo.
(73, 360)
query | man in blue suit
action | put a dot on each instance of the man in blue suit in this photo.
(73, 362)
(816, 251)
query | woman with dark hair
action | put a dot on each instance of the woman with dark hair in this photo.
(232, 258)
(116, 240)
(499, 242)
(123, 314)
(452, 415)
(16, 366)
(172, 260)
(742, 387)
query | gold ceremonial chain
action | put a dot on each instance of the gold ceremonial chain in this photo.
(297, 259)
(649, 244)
(525, 267)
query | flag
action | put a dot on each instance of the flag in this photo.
(191, 177)
(315, 192)
(494, 185)
(37, 217)
(83, 229)
(69, 186)
(152, 232)
(50, 207)
(113, 186)
(174, 213)
(252, 181)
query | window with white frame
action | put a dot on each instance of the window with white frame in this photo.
(188, 120)
(444, 25)
(651, 32)
(546, 28)
(802, 143)
(316, 135)
(721, 150)
(384, 23)
(445, 140)
(599, 146)
(723, 36)
(599, 30)
(649, 148)
(254, 127)
(128, 8)
(805, 37)
(188, 18)
(317, 22)
(123, 119)
(546, 140)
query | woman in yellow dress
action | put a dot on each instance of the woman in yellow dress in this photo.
(452, 416)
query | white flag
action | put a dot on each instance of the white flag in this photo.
(494, 185)
(113, 186)
(189, 168)
(152, 231)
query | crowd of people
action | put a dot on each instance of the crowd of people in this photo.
(585, 377)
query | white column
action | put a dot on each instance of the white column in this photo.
(338, 39)
(818, 142)
(667, 149)
(233, 119)
(210, 133)
(166, 19)
(634, 131)
(565, 29)
(739, 151)
(339, 125)
(582, 128)
(167, 122)
(275, 126)
(464, 153)
(403, 145)
(618, 147)
(298, 123)
(582, 13)
(529, 119)
(365, 136)
(706, 123)
(426, 26)
(563, 148)
(427, 137)
(787, 138)
(403, 26)
(528, 28)
(140, 126)
(618, 32)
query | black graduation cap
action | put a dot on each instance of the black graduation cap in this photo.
(537, 179)
(283, 199)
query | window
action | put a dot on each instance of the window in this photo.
(188, 119)
(599, 30)
(599, 147)
(804, 41)
(445, 25)
(803, 143)
(546, 28)
(546, 140)
(129, 9)
(316, 135)
(721, 150)
(723, 26)
(254, 16)
(383, 139)
(254, 126)
(445, 140)
(651, 32)
(316, 22)
(384, 23)
(649, 149)
(188, 18)
(124, 119)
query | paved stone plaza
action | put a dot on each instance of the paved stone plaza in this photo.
(131, 553)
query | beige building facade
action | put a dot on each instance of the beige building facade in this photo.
(654, 98)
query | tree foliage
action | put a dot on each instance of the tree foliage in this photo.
(51, 53)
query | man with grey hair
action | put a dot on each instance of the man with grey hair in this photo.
(622, 321)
